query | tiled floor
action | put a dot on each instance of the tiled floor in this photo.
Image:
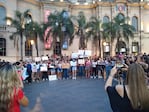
(81, 95)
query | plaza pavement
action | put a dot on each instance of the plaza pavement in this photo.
(81, 95)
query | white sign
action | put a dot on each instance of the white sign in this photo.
(123, 50)
(81, 61)
(52, 77)
(37, 59)
(74, 55)
(44, 58)
(43, 69)
(81, 52)
(134, 49)
(106, 48)
(88, 52)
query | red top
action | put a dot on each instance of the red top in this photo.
(17, 96)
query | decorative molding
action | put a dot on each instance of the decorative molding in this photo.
(35, 2)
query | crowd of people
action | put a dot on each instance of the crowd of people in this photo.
(66, 67)
(131, 72)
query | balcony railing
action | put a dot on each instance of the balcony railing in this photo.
(3, 28)
(6, 28)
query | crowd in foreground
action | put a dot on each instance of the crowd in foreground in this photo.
(132, 73)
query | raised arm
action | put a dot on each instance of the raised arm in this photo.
(110, 78)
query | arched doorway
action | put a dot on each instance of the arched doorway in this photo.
(121, 47)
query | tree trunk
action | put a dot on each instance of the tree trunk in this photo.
(118, 46)
(82, 41)
(112, 50)
(99, 41)
(21, 44)
(36, 44)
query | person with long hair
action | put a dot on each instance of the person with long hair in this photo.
(131, 97)
(11, 94)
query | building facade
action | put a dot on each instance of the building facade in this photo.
(105, 10)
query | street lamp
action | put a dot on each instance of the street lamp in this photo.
(106, 48)
(8, 22)
(104, 43)
(32, 42)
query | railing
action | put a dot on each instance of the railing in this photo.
(16, 58)
(6, 28)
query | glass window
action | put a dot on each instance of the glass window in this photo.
(135, 22)
(65, 44)
(2, 47)
(28, 49)
(105, 19)
(135, 47)
(3, 16)
(57, 49)
(121, 16)
(29, 19)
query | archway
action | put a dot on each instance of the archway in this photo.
(121, 47)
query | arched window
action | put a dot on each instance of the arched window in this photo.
(121, 16)
(135, 22)
(57, 49)
(2, 47)
(3, 15)
(105, 19)
(29, 18)
(28, 48)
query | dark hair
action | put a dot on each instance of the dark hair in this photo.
(17, 63)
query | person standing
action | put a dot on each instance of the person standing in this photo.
(73, 64)
(59, 70)
(65, 67)
(29, 72)
(131, 97)
(11, 94)
(81, 66)
(87, 68)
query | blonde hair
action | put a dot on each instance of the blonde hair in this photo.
(138, 91)
(9, 81)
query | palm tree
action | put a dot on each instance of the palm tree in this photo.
(34, 31)
(81, 20)
(109, 33)
(61, 27)
(93, 29)
(19, 23)
(118, 28)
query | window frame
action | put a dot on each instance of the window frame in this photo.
(3, 44)
(28, 49)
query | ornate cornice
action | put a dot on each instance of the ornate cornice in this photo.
(35, 2)
(121, 1)
(94, 5)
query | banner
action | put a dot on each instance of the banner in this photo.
(74, 55)
(37, 59)
(46, 14)
(45, 58)
(88, 53)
